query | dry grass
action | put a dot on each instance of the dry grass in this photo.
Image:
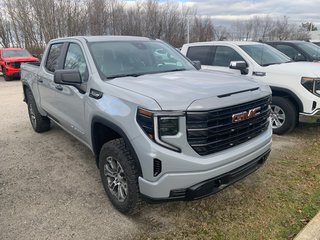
(274, 203)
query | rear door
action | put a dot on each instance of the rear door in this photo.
(47, 88)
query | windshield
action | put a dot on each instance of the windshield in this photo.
(15, 53)
(265, 55)
(310, 48)
(135, 58)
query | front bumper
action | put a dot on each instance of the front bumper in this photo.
(217, 184)
(12, 72)
(187, 174)
(310, 117)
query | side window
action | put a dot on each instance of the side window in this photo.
(53, 56)
(290, 52)
(201, 53)
(224, 55)
(75, 60)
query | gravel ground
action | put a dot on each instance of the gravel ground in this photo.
(49, 184)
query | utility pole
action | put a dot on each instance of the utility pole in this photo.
(188, 30)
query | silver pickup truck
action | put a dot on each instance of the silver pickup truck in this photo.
(159, 128)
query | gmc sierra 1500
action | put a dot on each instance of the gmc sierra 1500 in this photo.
(158, 127)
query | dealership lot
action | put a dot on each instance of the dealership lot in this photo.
(50, 189)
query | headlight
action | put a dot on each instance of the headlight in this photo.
(168, 126)
(311, 84)
(159, 124)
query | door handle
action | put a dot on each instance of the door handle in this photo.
(59, 87)
(40, 80)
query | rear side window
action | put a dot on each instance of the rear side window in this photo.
(53, 56)
(201, 53)
(224, 55)
(288, 50)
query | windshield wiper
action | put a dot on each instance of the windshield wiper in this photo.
(140, 74)
(174, 70)
(125, 75)
(268, 64)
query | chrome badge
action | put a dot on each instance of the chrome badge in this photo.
(239, 117)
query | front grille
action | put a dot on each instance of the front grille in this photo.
(16, 64)
(213, 131)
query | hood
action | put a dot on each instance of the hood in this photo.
(21, 59)
(303, 69)
(179, 90)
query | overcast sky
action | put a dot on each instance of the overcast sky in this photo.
(225, 11)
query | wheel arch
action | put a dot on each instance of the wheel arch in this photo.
(103, 131)
(282, 92)
(25, 86)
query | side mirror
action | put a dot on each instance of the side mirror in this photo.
(67, 77)
(239, 65)
(197, 64)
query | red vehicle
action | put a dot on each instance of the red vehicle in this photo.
(11, 59)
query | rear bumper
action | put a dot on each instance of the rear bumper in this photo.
(310, 117)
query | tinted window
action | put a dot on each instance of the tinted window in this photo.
(201, 53)
(224, 55)
(53, 56)
(264, 54)
(75, 60)
(310, 48)
(289, 51)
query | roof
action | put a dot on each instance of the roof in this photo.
(287, 41)
(238, 43)
(106, 38)
(12, 48)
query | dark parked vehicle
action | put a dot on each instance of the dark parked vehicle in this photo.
(298, 50)
(316, 42)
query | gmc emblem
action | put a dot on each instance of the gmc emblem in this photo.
(239, 117)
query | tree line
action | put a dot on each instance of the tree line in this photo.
(32, 23)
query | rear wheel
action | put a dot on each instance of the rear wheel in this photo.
(119, 174)
(39, 123)
(283, 115)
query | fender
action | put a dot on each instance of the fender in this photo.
(119, 131)
(289, 93)
(24, 86)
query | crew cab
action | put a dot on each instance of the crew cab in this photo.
(159, 128)
(295, 85)
(11, 59)
(298, 50)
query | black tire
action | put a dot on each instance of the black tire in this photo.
(127, 180)
(288, 110)
(38, 122)
(5, 76)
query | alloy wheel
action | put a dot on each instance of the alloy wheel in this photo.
(117, 182)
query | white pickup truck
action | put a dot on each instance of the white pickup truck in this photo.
(295, 85)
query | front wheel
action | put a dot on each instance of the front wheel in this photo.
(283, 115)
(5, 76)
(119, 174)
